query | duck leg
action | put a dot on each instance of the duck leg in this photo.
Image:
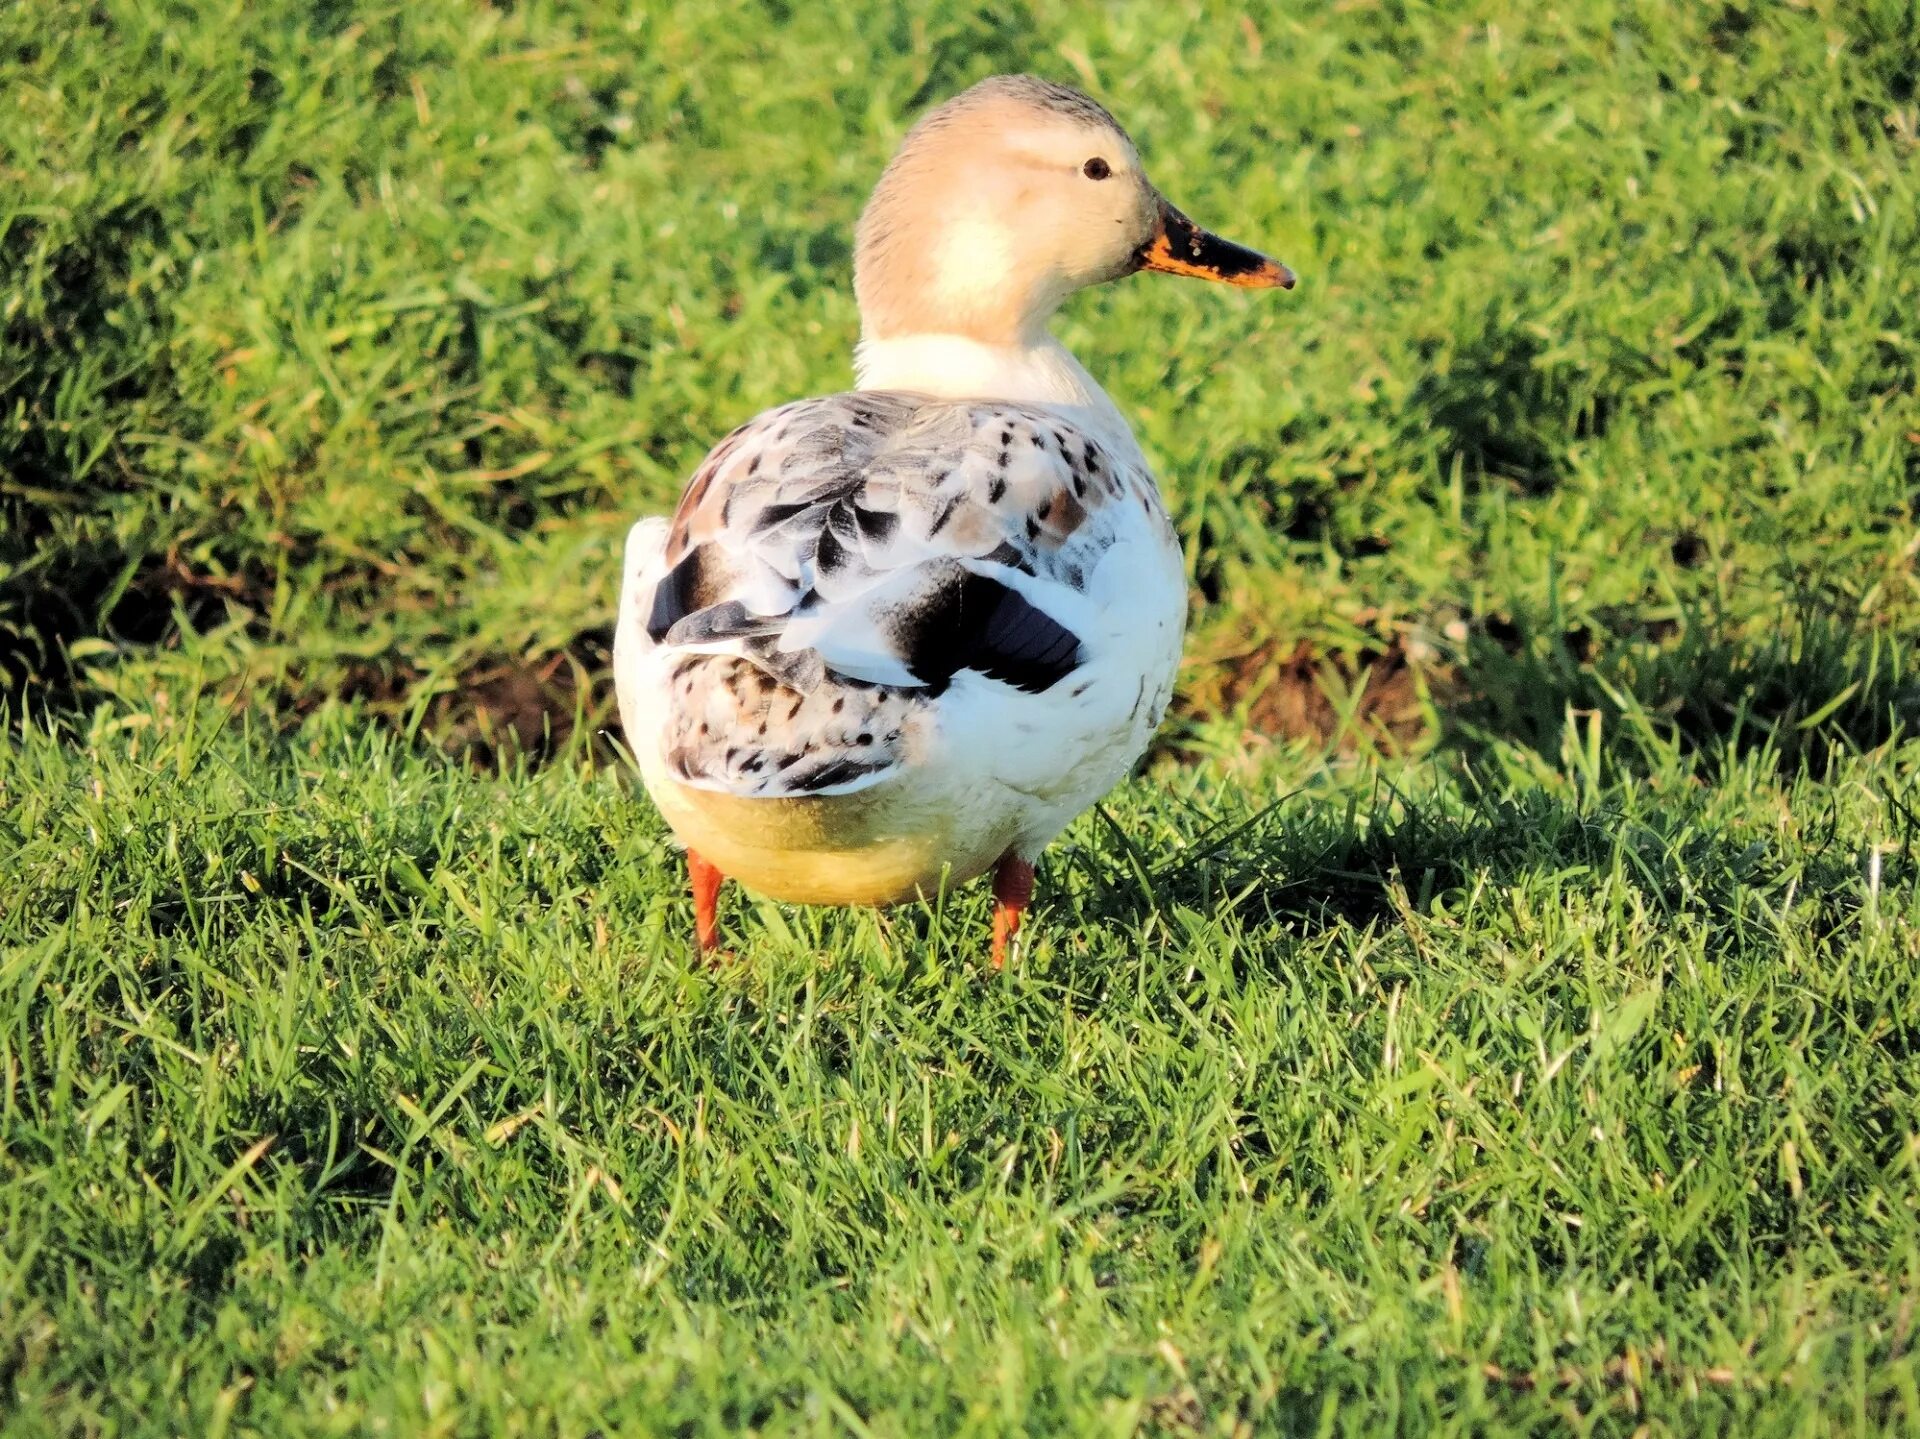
(1012, 890)
(706, 880)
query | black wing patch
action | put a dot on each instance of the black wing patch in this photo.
(727, 621)
(970, 621)
(961, 621)
(836, 771)
(688, 587)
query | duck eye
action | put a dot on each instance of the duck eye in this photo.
(1096, 169)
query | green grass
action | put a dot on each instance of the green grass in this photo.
(346, 1088)
(1496, 1009)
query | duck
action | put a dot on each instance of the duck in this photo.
(894, 638)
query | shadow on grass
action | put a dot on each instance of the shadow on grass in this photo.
(1500, 413)
(1685, 698)
(1311, 868)
(1817, 685)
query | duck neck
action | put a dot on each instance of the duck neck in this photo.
(1033, 371)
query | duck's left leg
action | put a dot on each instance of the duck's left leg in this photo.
(1012, 890)
(706, 880)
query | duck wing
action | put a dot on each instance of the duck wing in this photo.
(848, 557)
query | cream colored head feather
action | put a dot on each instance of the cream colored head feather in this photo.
(1004, 201)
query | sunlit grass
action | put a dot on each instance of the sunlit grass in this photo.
(1540, 1057)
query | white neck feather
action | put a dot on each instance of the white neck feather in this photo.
(1040, 371)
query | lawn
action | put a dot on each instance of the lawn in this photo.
(1494, 1007)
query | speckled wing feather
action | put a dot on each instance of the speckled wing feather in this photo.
(836, 562)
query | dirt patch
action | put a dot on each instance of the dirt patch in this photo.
(1296, 690)
(505, 706)
(1370, 698)
(515, 706)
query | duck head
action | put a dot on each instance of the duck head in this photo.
(1007, 199)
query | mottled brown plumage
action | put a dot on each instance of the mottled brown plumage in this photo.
(830, 541)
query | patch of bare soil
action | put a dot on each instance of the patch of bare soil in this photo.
(1281, 690)
(1291, 690)
(504, 707)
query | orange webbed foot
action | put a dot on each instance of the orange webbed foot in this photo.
(706, 880)
(1012, 892)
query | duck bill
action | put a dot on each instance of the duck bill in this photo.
(1180, 247)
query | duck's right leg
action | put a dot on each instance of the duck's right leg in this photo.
(1012, 891)
(706, 880)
